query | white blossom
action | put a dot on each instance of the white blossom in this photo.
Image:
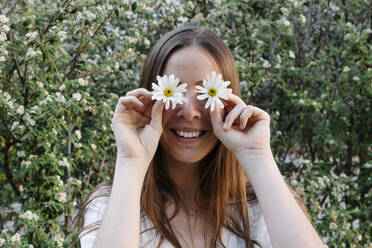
(16, 238)
(147, 42)
(62, 197)
(26, 163)
(2, 36)
(78, 134)
(346, 69)
(62, 87)
(168, 91)
(266, 64)
(60, 97)
(20, 110)
(82, 82)
(64, 162)
(78, 145)
(32, 35)
(29, 120)
(76, 96)
(94, 146)
(2, 241)
(32, 53)
(302, 18)
(28, 215)
(59, 239)
(62, 35)
(4, 19)
(39, 84)
(291, 54)
(2, 59)
(355, 78)
(21, 154)
(14, 125)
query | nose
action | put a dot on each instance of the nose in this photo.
(190, 109)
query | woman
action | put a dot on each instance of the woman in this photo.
(189, 176)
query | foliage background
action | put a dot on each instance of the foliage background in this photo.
(63, 65)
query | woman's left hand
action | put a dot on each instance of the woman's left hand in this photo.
(245, 128)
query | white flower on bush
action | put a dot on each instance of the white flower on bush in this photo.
(2, 37)
(6, 28)
(59, 239)
(28, 119)
(285, 22)
(78, 145)
(32, 35)
(64, 162)
(2, 241)
(20, 110)
(78, 134)
(2, 59)
(302, 18)
(26, 163)
(291, 54)
(32, 53)
(62, 197)
(266, 64)
(356, 78)
(147, 42)
(94, 147)
(346, 69)
(16, 238)
(39, 84)
(21, 154)
(28, 215)
(62, 35)
(4, 19)
(60, 97)
(76, 96)
(82, 82)
(301, 101)
(62, 87)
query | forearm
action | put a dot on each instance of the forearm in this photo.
(121, 224)
(287, 224)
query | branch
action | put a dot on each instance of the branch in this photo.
(56, 16)
(71, 66)
(247, 32)
(7, 171)
(11, 7)
(10, 131)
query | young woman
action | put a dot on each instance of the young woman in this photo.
(189, 176)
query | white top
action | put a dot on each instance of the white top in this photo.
(258, 231)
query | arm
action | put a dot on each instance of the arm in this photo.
(137, 127)
(121, 224)
(287, 224)
(245, 131)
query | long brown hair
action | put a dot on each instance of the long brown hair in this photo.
(223, 184)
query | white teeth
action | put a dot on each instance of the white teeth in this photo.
(189, 134)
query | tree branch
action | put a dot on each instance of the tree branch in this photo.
(247, 32)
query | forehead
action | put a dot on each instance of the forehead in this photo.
(191, 64)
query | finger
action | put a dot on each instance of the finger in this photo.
(244, 117)
(233, 100)
(156, 116)
(139, 92)
(217, 121)
(258, 114)
(126, 102)
(232, 116)
(142, 94)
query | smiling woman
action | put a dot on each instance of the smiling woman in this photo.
(192, 176)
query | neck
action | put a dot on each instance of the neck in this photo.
(185, 176)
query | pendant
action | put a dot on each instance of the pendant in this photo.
(192, 212)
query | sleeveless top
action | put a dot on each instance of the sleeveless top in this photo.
(258, 231)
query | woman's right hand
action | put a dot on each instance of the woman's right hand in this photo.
(137, 125)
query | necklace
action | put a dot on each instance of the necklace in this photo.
(192, 212)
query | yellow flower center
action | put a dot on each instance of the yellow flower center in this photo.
(168, 92)
(212, 92)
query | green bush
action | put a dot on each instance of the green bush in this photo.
(64, 65)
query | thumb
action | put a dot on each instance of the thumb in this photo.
(217, 121)
(156, 116)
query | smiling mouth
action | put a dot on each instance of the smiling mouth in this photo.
(188, 135)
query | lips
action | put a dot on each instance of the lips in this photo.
(188, 133)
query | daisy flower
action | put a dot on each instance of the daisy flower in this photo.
(168, 91)
(214, 88)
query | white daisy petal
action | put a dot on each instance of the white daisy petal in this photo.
(214, 88)
(168, 90)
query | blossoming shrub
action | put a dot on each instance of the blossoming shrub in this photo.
(65, 63)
